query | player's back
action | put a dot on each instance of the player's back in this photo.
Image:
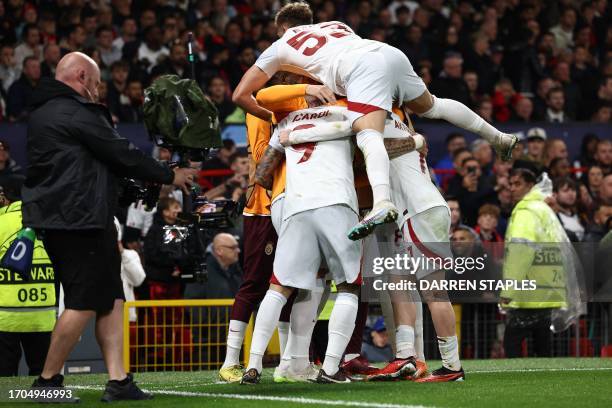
(318, 174)
(325, 52)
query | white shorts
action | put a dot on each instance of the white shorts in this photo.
(276, 213)
(308, 237)
(412, 190)
(379, 78)
(426, 236)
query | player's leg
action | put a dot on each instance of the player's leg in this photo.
(260, 242)
(458, 114)
(343, 259)
(303, 319)
(428, 231)
(297, 228)
(369, 98)
(354, 364)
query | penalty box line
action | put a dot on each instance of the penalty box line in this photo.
(249, 397)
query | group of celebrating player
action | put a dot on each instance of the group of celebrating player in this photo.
(308, 163)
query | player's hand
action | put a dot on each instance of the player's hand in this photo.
(321, 92)
(283, 137)
(184, 178)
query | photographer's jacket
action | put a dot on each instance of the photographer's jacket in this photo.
(74, 158)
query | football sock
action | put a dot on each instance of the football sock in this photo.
(370, 142)
(460, 115)
(267, 319)
(349, 357)
(235, 337)
(303, 319)
(283, 336)
(418, 333)
(404, 341)
(341, 326)
(449, 351)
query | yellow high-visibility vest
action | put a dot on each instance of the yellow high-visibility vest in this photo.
(25, 306)
(533, 251)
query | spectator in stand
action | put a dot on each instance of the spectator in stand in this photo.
(523, 110)
(120, 71)
(75, 40)
(598, 228)
(21, 91)
(486, 228)
(479, 61)
(503, 100)
(109, 53)
(221, 161)
(504, 197)
(376, 348)
(413, 45)
(570, 89)
(539, 104)
(593, 178)
(600, 96)
(217, 91)
(30, 46)
(224, 271)
(471, 81)
(472, 189)
(564, 31)
(588, 149)
(536, 142)
(459, 155)
(450, 83)
(129, 30)
(9, 71)
(603, 156)
(483, 153)
(246, 58)
(554, 149)
(8, 167)
(51, 55)
(130, 103)
(603, 114)
(559, 167)
(565, 204)
(605, 190)
(555, 106)
(454, 141)
(455, 211)
(485, 110)
(151, 52)
(175, 64)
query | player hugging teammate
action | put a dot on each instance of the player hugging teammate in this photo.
(317, 219)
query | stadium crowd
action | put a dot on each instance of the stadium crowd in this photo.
(509, 60)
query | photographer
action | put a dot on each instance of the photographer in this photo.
(161, 265)
(70, 197)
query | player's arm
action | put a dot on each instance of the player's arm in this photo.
(252, 80)
(398, 147)
(275, 98)
(272, 158)
(258, 134)
(319, 133)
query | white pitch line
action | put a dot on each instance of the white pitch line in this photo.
(295, 400)
(537, 370)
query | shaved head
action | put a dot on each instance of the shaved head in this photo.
(81, 73)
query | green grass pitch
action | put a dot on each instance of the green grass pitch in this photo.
(489, 383)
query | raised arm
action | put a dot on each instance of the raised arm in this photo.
(319, 133)
(253, 80)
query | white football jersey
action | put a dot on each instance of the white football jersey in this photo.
(412, 190)
(325, 52)
(319, 174)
